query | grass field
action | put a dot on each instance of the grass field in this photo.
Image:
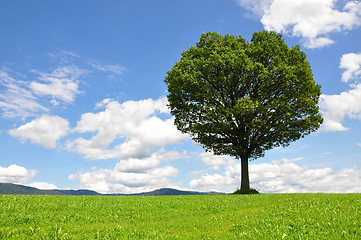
(262, 216)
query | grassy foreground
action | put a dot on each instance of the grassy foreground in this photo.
(262, 216)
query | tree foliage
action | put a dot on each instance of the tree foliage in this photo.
(242, 98)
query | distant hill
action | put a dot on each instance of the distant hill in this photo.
(10, 188)
(172, 192)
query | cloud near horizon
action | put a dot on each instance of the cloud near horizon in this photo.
(134, 132)
(20, 175)
(283, 176)
(42, 185)
(131, 175)
(16, 174)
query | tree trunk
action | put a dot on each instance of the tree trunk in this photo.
(244, 175)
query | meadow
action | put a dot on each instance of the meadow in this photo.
(261, 216)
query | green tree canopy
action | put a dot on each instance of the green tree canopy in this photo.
(242, 98)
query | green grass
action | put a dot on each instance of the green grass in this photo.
(260, 216)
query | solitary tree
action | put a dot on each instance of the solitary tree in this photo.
(242, 98)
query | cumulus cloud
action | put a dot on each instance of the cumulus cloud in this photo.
(346, 104)
(351, 62)
(46, 130)
(309, 19)
(131, 175)
(228, 182)
(287, 176)
(126, 130)
(215, 161)
(336, 107)
(142, 165)
(42, 185)
(284, 176)
(16, 174)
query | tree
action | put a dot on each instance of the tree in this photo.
(242, 98)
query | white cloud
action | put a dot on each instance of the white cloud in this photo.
(141, 165)
(116, 69)
(210, 159)
(312, 20)
(346, 104)
(54, 102)
(283, 176)
(102, 103)
(62, 84)
(215, 160)
(286, 176)
(131, 175)
(27, 95)
(17, 100)
(42, 185)
(46, 130)
(63, 54)
(20, 98)
(228, 182)
(352, 63)
(318, 42)
(16, 174)
(137, 165)
(133, 128)
(336, 107)
(258, 7)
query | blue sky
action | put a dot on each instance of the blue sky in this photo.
(83, 102)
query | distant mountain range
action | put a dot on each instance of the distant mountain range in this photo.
(9, 188)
